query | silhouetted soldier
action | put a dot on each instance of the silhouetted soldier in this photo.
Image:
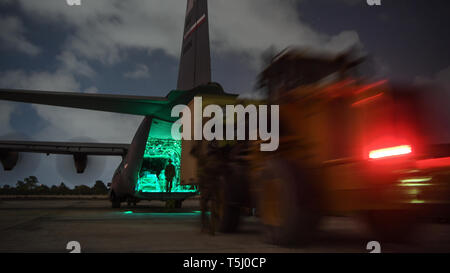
(169, 172)
(199, 151)
(211, 162)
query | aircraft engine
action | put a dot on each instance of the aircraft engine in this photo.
(9, 159)
(80, 165)
(19, 162)
(80, 161)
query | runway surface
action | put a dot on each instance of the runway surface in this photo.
(48, 225)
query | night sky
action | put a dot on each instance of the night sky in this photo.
(133, 47)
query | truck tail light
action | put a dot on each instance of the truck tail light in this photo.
(390, 152)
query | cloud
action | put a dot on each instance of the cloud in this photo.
(65, 124)
(140, 72)
(91, 89)
(6, 109)
(12, 36)
(71, 63)
(39, 80)
(104, 29)
(252, 26)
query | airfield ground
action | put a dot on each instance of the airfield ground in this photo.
(48, 225)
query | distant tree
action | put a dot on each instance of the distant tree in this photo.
(63, 189)
(21, 187)
(81, 189)
(31, 183)
(54, 189)
(42, 189)
(6, 189)
(99, 188)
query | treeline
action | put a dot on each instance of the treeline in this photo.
(31, 186)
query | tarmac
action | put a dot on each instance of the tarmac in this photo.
(48, 226)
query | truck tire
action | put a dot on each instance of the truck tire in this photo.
(288, 204)
(392, 225)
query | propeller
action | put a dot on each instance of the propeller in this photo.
(27, 163)
(66, 168)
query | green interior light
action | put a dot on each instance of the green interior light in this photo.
(159, 149)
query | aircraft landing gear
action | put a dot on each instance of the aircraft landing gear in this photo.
(132, 202)
(174, 204)
(115, 204)
(115, 201)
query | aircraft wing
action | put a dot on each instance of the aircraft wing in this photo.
(9, 151)
(158, 107)
(47, 147)
(135, 105)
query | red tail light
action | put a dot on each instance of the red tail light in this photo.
(390, 152)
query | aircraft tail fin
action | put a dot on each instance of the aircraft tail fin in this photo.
(195, 59)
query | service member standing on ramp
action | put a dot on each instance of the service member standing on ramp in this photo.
(169, 172)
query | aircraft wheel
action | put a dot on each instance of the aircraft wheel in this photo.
(170, 204)
(115, 202)
(132, 202)
(287, 204)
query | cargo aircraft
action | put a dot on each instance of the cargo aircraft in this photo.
(140, 173)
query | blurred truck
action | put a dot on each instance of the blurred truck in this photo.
(347, 147)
